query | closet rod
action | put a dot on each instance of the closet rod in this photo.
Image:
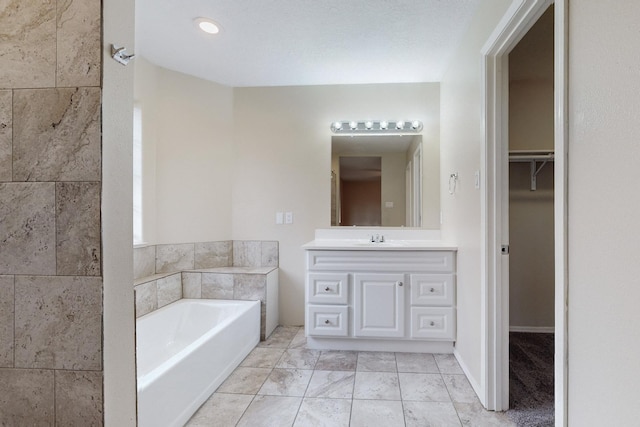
(527, 156)
(532, 158)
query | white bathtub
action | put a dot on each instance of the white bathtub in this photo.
(185, 351)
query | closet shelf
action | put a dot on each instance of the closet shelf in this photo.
(533, 158)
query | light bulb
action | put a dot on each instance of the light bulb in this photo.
(399, 124)
(415, 124)
(207, 25)
(384, 124)
(337, 125)
(368, 124)
(353, 125)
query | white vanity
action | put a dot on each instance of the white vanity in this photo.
(395, 293)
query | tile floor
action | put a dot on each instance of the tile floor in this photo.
(283, 383)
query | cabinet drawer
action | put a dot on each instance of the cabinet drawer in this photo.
(432, 289)
(433, 323)
(326, 320)
(330, 288)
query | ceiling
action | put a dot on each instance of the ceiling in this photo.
(304, 42)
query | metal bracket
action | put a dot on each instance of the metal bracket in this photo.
(120, 55)
(534, 173)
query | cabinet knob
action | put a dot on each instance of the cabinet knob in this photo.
(327, 289)
(432, 290)
(327, 322)
(432, 323)
(399, 283)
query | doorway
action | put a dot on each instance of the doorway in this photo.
(531, 225)
(518, 20)
(360, 190)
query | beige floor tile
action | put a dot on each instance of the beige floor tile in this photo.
(263, 358)
(369, 413)
(324, 413)
(423, 387)
(459, 389)
(448, 364)
(244, 381)
(271, 411)
(294, 358)
(420, 363)
(331, 384)
(376, 385)
(376, 361)
(337, 361)
(474, 415)
(430, 414)
(221, 410)
(286, 382)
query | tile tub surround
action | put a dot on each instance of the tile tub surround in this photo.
(172, 258)
(283, 383)
(239, 269)
(50, 196)
(229, 283)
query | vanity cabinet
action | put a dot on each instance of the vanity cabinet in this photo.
(387, 300)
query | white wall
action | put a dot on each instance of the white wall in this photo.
(604, 235)
(283, 162)
(460, 144)
(188, 144)
(117, 230)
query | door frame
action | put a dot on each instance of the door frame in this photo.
(519, 18)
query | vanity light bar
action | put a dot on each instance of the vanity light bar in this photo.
(376, 126)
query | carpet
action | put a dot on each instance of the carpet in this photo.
(531, 387)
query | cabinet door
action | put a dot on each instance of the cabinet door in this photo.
(379, 305)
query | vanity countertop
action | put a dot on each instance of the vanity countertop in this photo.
(388, 245)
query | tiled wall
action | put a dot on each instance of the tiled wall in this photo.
(50, 189)
(239, 269)
(157, 259)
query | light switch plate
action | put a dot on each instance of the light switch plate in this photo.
(288, 217)
(279, 218)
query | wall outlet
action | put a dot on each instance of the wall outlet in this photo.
(288, 217)
(279, 218)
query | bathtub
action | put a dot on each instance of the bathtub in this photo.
(185, 351)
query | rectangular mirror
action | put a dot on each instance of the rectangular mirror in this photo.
(376, 180)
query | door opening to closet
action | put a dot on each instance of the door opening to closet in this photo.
(531, 226)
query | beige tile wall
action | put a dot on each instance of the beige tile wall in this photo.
(50, 188)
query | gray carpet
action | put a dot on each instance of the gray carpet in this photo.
(531, 379)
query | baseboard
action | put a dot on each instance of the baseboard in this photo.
(533, 329)
(474, 384)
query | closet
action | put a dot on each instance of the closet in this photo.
(531, 225)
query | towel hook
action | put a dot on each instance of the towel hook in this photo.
(120, 55)
(453, 182)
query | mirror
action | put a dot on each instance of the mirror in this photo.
(376, 180)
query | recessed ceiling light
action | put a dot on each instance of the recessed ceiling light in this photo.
(207, 25)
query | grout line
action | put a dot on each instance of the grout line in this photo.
(15, 345)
